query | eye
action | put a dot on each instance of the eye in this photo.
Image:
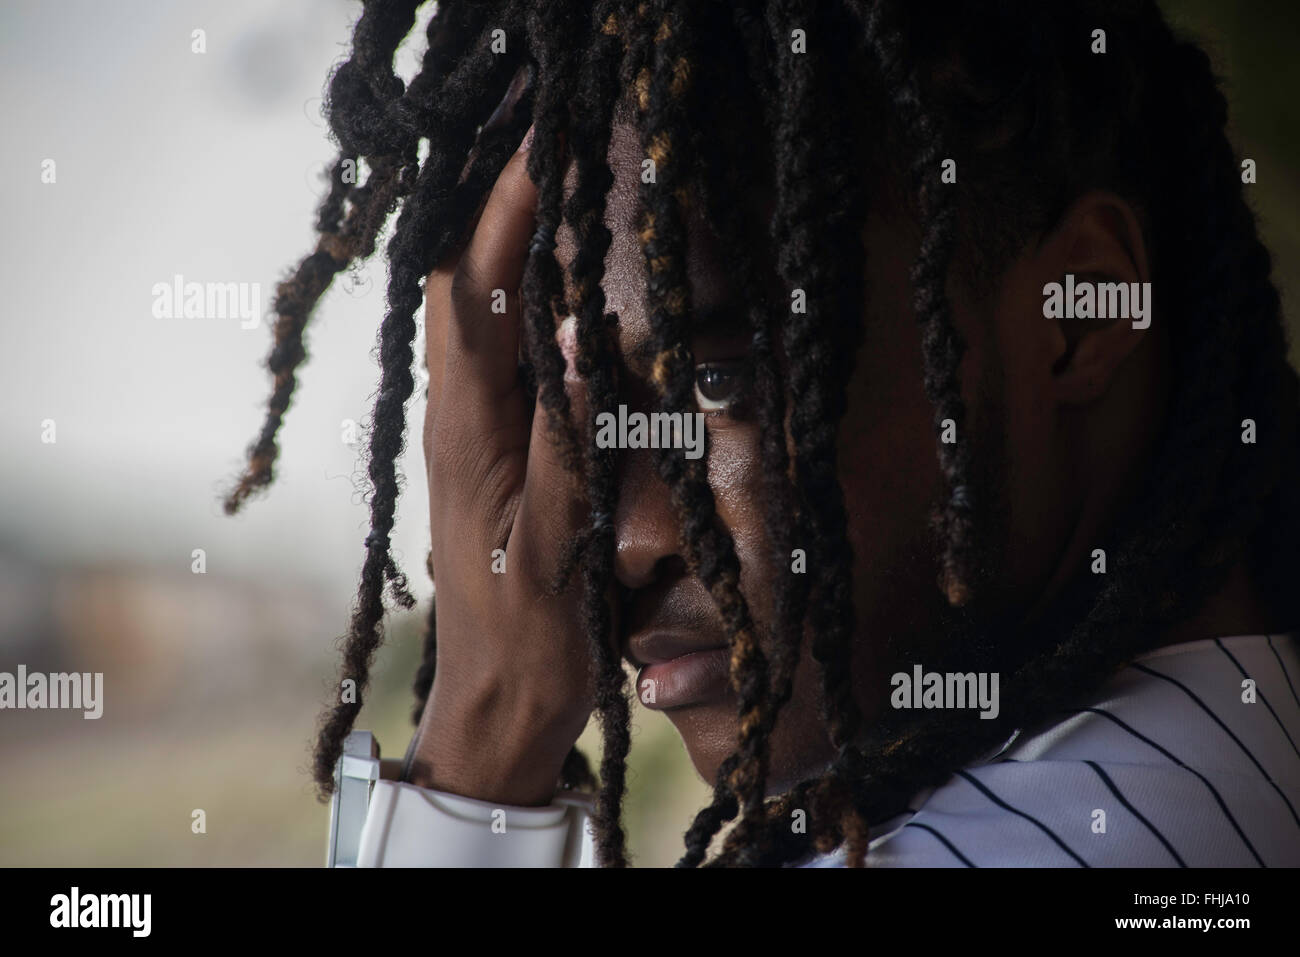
(720, 385)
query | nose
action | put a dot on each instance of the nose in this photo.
(646, 532)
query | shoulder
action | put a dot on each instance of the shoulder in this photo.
(1188, 757)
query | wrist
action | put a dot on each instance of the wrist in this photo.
(484, 752)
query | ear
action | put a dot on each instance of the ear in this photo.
(1098, 240)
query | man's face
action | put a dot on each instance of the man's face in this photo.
(888, 470)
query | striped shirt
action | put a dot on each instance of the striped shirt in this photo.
(1173, 763)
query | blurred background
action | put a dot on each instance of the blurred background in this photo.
(208, 165)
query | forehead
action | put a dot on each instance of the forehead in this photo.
(625, 270)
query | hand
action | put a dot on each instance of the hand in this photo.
(512, 689)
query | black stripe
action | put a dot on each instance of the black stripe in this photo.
(1283, 667)
(1204, 780)
(1260, 692)
(1037, 823)
(1114, 789)
(943, 840)
(1191, 694)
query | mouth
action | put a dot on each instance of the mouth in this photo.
(678, 670)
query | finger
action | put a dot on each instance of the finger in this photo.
(482, 338)
(438, 300)
(479, 434)
(553, 506)
(438, 284)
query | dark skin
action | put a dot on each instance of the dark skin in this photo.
(1078, 405)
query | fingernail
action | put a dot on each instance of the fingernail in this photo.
(527, 141)
(567, 339)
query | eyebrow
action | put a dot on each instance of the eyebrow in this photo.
(722, 320)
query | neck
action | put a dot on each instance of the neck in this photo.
(1237, 608)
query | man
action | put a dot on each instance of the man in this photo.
(1111, 514)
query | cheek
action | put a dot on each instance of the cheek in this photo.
(799, 746)
(735, 473)
(889, 467)
(888, 464)
(1040, 460)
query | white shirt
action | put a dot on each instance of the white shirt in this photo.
(1170, 764)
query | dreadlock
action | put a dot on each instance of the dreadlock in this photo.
(725, 105)
(593, 120)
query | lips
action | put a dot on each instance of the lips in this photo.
(696, 678)
(673, 634)
(660, 647)
(677, 669)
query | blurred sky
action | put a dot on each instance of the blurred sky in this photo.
(169, 162)
(205, 165)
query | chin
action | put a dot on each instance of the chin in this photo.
(710, 730)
